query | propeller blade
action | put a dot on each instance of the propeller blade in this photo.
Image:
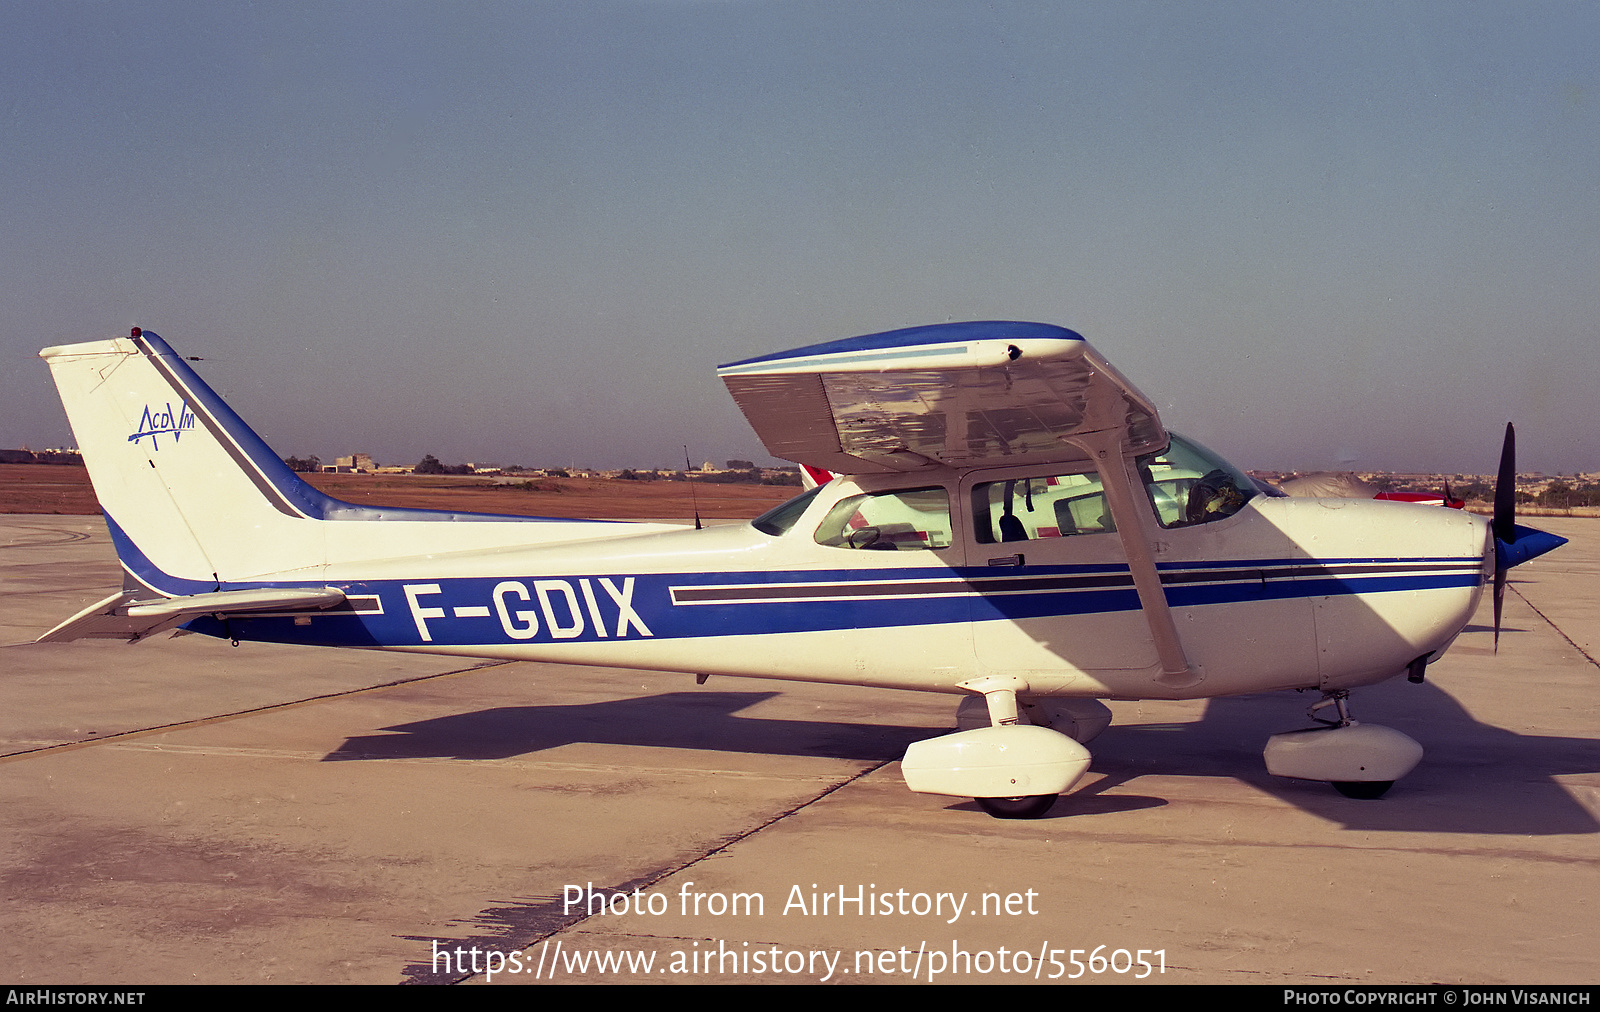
(1505, 490)
(1505, 520)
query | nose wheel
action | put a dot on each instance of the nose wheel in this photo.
(1368, 790)
(1027, 807)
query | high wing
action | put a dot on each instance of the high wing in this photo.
(967, 395)
(953, 394)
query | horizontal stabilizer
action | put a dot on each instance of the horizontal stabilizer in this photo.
(123, 617)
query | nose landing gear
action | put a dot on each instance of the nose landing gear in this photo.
(1360, 760)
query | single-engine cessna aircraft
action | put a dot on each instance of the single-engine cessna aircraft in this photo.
(1011, 522)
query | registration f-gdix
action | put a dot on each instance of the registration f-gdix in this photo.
(1011, 523)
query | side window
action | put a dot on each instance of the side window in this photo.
(1027, 509)
(902, 521)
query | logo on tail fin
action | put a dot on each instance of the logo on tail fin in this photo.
(157, 422)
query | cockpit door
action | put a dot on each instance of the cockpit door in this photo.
(1054, 600)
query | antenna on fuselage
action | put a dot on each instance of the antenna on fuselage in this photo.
(688, 476)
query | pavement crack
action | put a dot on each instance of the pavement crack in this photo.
(1558, 629)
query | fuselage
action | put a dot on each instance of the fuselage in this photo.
(1066, 541)
(922, 582)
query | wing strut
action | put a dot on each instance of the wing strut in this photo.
(1105, 448)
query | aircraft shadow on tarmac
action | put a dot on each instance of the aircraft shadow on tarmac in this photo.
(1474, 778)
(690, 720)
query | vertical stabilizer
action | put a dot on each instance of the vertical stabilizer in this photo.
(193, 498)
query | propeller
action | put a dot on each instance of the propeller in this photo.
(1513, 543)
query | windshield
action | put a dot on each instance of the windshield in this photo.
(1190, 485)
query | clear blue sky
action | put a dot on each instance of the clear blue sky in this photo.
(1318, 235)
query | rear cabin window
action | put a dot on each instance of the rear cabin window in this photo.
(908, 520)
(779, 519)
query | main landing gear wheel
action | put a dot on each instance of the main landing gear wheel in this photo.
(1363, 790)
(1029, 807)
(997, 766)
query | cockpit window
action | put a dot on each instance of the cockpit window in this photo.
(1027, 509)
(780, 519)
(1189, 485)
(901, 521)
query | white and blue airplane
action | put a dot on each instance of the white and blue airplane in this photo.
(1011, 522)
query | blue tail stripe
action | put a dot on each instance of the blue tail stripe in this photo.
(148, 573)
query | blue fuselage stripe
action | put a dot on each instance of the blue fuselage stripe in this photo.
(542, 609)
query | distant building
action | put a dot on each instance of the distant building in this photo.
(356, 463)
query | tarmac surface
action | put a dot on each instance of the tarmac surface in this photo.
(185, 811)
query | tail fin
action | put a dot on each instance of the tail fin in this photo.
(192, 496)
(207, 519)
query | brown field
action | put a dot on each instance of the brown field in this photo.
(56, 488)
(46, 488)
